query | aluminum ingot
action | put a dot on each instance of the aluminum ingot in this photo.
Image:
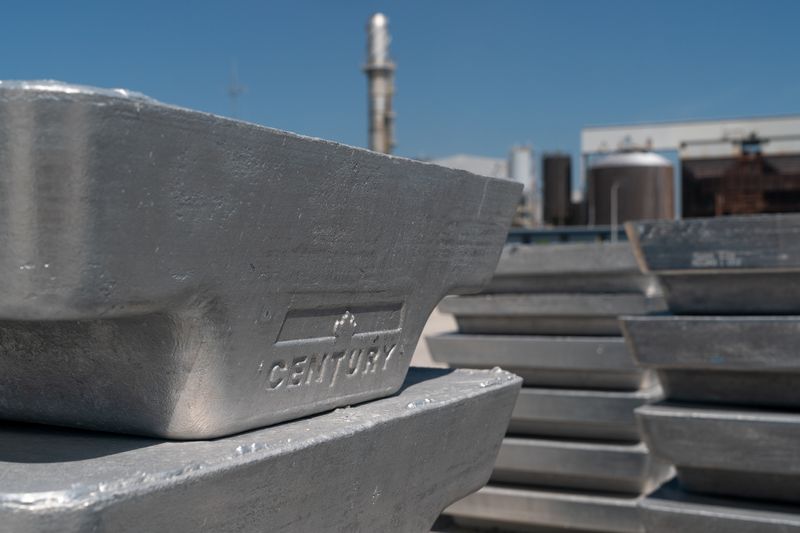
(723, 265)
(579, 414)
(389, 465)
(570, 267)
(670, 509)
(586, 465)
(548, 361)
(547, 314)
(744, 360)
(738, 452)
(523, 509)
(171, 273)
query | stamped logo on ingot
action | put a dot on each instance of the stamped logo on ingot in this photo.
(345, 326)
(343, 352)
(328, 367)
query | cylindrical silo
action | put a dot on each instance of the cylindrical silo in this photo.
(557, 182)
(633, 185)
(520, 166)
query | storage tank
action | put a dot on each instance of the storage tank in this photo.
(557, 182)
(520, 166)
(634, 184)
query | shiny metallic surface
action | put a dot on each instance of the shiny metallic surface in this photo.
(539, 510)
(671, 509)
(583, 465)
(378, 40)
(737, 452)
(627, 186)
(632, 159)
(171, 273)
(573, 445)
(587, 267)
(547, 314)
(724, 265)
(579, 414)
(388, 465)
(754, 293)
(546, 361)
(741, 360)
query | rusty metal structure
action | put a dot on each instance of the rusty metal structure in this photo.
(749, 183)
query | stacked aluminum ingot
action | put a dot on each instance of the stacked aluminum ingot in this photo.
(169, 274)
(572, 457)
(728, 362)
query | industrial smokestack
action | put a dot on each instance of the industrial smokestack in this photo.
(380, 73)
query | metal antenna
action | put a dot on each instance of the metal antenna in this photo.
(235, 89)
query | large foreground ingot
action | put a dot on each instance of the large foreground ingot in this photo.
(172, 273)
(388, 465)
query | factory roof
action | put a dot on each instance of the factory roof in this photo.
(484, 166)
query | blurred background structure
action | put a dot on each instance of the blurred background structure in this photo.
(380, 73)
(473, 78)
(729, 166)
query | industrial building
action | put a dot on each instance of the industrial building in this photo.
(725, 167)
(494, 167)
(751, 182)
(518, 167)
(736, 166)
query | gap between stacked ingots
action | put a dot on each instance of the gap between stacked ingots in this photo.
(573, 456)
(178, 275)
(727, 358)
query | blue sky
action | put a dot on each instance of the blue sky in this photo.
(472, 76)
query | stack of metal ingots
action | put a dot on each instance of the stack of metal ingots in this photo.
(172, 282)
(728, 360)
(573, 458)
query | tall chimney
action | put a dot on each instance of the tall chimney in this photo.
(380, 73)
